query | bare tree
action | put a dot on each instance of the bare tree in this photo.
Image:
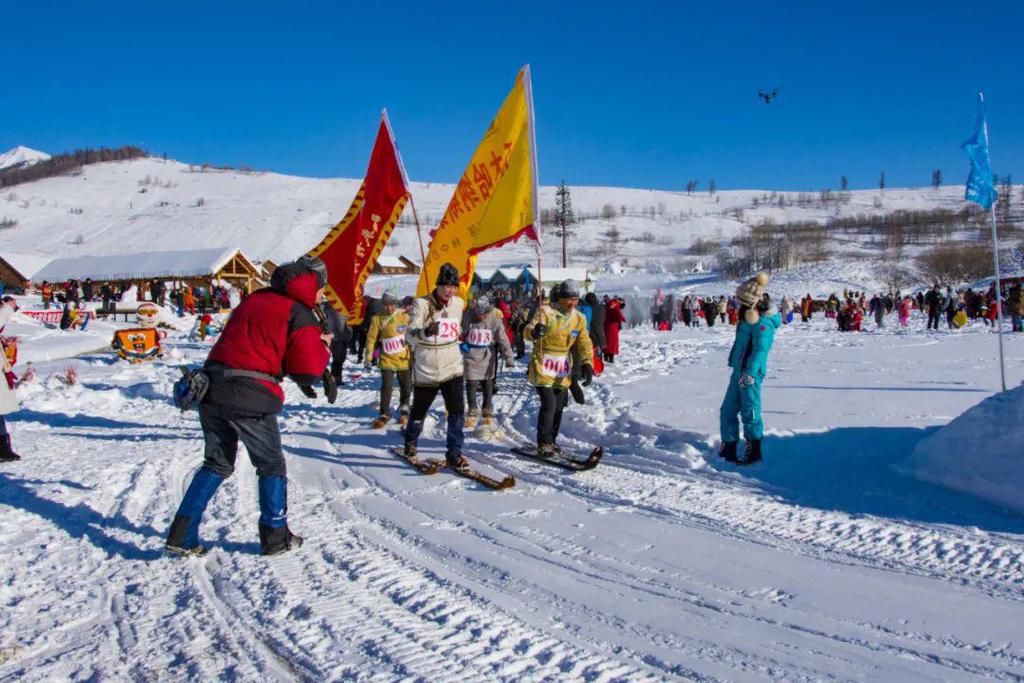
(895, 276)
(954, 264)
(564, 219)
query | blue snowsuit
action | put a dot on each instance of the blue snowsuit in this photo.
(749, 356)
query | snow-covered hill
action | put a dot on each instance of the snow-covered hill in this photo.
(21, 156)
(155, 204)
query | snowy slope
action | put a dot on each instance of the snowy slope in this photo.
(979, 452)
(825, 562)
(19, 156)
(153, 204)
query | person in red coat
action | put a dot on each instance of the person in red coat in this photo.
(613, 320)
(272, 333)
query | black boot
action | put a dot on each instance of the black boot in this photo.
(753, 452)
(7, 453)
(176, 543)
(278, 540)
(729, 451)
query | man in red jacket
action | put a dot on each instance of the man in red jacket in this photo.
(273, 333)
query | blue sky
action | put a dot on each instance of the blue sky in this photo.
(636, 94)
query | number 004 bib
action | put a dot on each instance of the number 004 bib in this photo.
(554, 366)
(393, 345)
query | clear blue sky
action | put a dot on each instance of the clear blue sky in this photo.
(637, 94)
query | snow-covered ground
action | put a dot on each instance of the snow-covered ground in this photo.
(828, 561)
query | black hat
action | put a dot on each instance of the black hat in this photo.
(389, 299)
(448, 275)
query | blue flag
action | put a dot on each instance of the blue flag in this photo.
(980, 183)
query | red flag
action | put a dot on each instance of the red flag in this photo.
(351, 248)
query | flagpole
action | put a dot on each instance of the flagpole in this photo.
(408, 186)
(419, 234)
(528, 85)
(999, 298)
(995, 261)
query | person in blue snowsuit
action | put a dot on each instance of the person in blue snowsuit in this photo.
(748, 359)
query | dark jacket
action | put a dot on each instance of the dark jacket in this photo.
(274, 331)
(597, 335)
(337, 324)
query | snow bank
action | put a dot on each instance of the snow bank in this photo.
(979, 452)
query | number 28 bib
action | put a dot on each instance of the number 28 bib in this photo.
(447, 331)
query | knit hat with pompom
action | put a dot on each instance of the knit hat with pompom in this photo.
(749, 295)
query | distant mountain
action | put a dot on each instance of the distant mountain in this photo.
(21, 156)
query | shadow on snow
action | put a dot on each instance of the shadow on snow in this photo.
(857, 470)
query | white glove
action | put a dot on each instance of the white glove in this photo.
(746, 380)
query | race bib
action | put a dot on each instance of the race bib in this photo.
(447, 331)
(553, 365)
(393, 345)
(480, 337)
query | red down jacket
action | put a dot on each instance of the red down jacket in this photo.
(275, 332)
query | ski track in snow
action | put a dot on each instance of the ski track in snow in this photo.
(659, 564)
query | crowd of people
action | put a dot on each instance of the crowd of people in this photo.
(849, 311)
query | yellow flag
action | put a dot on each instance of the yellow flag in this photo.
(496, 199)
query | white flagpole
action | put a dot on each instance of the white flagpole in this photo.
(528, 86)
(995, 259)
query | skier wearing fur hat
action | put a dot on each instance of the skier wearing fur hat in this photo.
(433, 334)
(560, 339)
(748, 358)
(274, 332)
(485, 331)
(388, 329)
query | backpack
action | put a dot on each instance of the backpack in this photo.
(190, 389)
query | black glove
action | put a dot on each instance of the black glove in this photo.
(539, 331)
(309, 391)
(431, 329)
(577, 392)
(586, 375)
(330, 386)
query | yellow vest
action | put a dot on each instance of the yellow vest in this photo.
(565, 343)
(389, 330)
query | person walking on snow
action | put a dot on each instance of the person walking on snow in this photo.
(485, 332)
(749, 360)
(8, 399)
(433, 334)
(273, 333)
(613, 319)
(388, 328)
(1015, 306)
(560, 339)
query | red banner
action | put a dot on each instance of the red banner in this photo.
(351, 248)
(53, 317)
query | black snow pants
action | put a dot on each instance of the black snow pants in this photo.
(549, 419)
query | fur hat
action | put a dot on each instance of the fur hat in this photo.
(568, 289)
(749, 295)
(482, 305)
(448, 275)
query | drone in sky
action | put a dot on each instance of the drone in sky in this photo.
(766, 95)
